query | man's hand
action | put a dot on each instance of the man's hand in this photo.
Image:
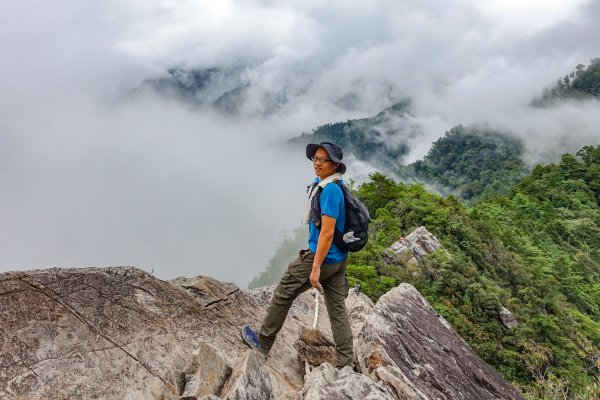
(314, 278)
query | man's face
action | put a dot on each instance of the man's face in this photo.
(322, 164)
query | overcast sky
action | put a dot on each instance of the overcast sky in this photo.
(90, 178)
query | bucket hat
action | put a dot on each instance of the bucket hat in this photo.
(335, 153)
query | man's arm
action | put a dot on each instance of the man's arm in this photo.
(323, 245)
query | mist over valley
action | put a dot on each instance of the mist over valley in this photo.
(157, 135)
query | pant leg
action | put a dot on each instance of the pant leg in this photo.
(292, 284)
(335, 290)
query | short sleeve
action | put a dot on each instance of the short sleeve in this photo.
(332, 200)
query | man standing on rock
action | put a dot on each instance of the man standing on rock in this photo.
(322, 265)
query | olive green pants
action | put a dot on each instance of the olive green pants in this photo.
(335, 290)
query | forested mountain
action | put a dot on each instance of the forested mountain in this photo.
(535, 251)
(583, 83)
(471, 163)
(223, 89)
(381, 140)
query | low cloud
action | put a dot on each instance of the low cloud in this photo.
(149, 184)
(90, 178)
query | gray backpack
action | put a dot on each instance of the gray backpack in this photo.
(356, 229)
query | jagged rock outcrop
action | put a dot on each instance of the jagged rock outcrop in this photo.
(207, 375)
(406, 344)
(120, 333)
(412, 248)
(328, 383)
(507, 318)
(250, 380)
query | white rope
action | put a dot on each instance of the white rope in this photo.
(314, 326)
(316, 310)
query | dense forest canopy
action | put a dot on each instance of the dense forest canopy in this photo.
(535, 251)
(471, 163)
(582, 83)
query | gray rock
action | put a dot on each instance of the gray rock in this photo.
(359, 306)
(207, 375)
(249, 379)
(328, 383)
(120, 333)
(429, 359)
(411, 249)
(400, 384)
(178, 380)
(205, 289)
(62, 329)
(508, 318)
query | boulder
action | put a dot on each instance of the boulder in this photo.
(249, 380)
(428, 359)
(205, 289)
(328, 383)
(411, 249)
(508, 318)
(207, 375)
(395, 379)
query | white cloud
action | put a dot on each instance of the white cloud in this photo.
(149, 184)
(91, 180)
(527, 16)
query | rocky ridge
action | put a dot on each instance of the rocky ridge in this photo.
(412, 248)
(120, 333)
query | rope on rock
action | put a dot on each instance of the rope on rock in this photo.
(314, 326)
(316, 310)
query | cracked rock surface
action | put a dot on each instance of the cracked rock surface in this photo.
(120, 333)
(328, 383)
(405, 343)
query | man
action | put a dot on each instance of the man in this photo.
(321, 266)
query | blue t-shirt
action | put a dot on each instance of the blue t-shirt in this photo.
(332, 204)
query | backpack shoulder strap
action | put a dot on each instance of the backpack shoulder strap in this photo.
(311, 187)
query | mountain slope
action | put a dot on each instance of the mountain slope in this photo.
(471, 163)
(222, 89)
(535, 251)
(381, 140)
(583, 83)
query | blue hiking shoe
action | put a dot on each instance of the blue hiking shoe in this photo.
(250, 336)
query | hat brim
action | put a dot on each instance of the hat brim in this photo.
(312, 148)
